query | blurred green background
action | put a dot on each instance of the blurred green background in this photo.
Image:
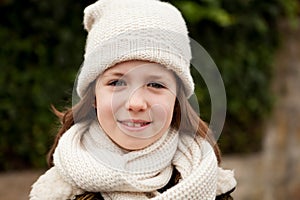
(42, 47)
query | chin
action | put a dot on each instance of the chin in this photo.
(134, 146)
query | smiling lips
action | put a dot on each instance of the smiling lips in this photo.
(134, 123)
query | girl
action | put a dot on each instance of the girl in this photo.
(133, 134)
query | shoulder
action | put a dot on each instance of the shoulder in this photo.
(51, 186)
(225, 196)
(89, 196)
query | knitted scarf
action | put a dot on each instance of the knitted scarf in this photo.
(87, 160)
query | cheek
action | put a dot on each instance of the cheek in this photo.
(162, 110)
(107, 106)
(170, 108)
(104, 108)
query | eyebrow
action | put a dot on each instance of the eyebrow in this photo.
(149, 77)
(119, 74)
(155, 76)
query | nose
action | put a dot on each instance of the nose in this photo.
(136, 101)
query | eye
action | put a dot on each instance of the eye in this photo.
(117, 83)
(155, 85)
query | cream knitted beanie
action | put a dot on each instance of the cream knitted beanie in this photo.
(123, 30)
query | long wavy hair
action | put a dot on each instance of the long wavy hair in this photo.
(185, 118)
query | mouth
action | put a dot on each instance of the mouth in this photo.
(134, 123)
(140, 129)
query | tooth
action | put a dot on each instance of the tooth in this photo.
(137, 125)
(130, 124)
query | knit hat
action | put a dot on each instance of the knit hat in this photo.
(148, 30)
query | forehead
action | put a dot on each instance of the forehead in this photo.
(139, 67)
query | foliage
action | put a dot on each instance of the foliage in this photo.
(42, 44)
(241, 37)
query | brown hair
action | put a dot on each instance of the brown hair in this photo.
(184, 119)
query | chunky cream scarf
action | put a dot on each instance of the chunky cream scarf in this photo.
(87, 160)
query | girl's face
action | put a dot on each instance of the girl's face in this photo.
(135, 102)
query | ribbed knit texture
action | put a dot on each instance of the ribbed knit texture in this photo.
(82, 167)
(86, 160)
(102, 166)
(147, 30)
